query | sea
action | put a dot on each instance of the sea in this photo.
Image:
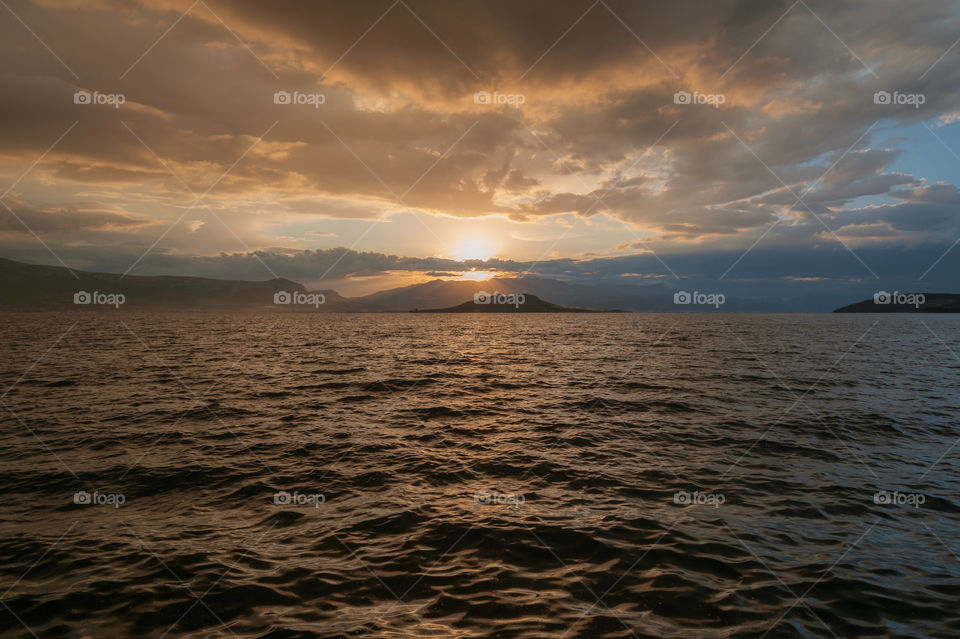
(530, 476)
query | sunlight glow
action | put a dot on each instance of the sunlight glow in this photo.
(477, 276)
(473, 249)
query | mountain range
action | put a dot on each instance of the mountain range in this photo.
(31, 287)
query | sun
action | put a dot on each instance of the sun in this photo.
(473, 275)
(473, 249)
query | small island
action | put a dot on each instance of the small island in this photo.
(508, 303)
(906, 303)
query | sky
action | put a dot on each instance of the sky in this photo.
(797, 145)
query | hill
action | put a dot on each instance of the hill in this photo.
(34, 287)
(508, 303)
(906, 303)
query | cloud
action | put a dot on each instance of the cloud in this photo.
(599, 131)
(26, 219)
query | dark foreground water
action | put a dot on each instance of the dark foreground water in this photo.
(479, 476)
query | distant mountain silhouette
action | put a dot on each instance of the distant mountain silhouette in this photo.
(444, 293)
(35, 287)
(38, 287)
(512, 303)
(906, 303)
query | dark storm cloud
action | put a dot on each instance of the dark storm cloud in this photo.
(599, 130)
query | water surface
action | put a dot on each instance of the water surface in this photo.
(479, 476)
